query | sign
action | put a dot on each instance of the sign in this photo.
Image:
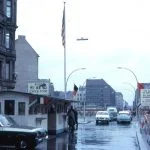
(38, 88)
(145, 97)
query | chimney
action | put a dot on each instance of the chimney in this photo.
(21, 37)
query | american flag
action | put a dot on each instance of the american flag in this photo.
(63, 28)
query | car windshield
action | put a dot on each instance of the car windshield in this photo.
(123, 114)
(102, 113)
(6, 121)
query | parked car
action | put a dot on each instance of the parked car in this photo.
(102, 117)
(124, 117)
(21, 137)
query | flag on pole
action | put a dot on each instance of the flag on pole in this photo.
(140, 86)
(63, 28)
(75, 90)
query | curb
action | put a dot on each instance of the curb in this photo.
(140, 141)
(86, 122)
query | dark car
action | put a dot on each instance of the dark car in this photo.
(21, 137)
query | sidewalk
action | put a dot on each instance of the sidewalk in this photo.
(141, 139)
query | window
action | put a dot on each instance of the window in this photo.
(7, 70)
(9, 107)
(7, 40)
(21, 108)
(1, 36)
(8, 8)
(0, 108)
(1, 70)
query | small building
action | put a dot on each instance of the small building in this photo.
(35, 110)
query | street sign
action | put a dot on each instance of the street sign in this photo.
(41, 88)
(145, 97)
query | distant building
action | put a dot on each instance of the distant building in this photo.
(7, 43)
(81, 96)
(27, 70)
(119, 101)
(99, 94)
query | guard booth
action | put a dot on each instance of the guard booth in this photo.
(36, 110)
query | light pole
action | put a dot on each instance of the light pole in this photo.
(132, 88)
(69, 77)
(84, 97)
(136, 84)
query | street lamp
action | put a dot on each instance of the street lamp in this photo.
(130, 71)
(136, 82)
(69, 77)
(84, 97)
(82, 39)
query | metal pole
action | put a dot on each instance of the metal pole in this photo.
(136, 100)
(84, 111)
(70, 75)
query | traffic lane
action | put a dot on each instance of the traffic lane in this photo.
(100, 137)
(91, 136)
(107, 137)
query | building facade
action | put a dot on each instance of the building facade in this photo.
(99, 94)
(81, 96)
(27, 70)
(119, 101)
(7, 44)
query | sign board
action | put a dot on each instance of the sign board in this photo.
(145, 97)
(41, 88)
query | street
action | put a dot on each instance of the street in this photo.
(97, 137)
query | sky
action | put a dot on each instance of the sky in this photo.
(118, 33)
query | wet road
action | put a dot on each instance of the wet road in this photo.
(100, 137)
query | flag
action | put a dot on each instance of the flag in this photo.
(63, 28)
(140, 86)
(75, 90)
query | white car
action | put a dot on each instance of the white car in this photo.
(124, 116)
(102, 117)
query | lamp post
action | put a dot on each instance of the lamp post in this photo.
(84, 97)
(69, 77)
(136, 84)
(132, 88)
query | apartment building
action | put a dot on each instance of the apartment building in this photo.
(7, 44)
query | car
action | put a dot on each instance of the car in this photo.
(112, 113)
(21, 137)
(102, 117)
(124, 117)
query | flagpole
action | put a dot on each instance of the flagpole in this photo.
(64, 22)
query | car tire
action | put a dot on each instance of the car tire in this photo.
(22, 144)
(96, 122)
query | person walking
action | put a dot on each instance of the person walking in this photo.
(76, 118)
(71, 119)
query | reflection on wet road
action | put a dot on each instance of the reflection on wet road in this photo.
(100, 137)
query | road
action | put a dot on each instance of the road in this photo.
(96, 137)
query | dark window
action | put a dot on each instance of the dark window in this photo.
(0, 108)
(7, 70)
(1, 70)
(21, 108)
(9, 107)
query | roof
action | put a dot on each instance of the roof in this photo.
(36, 95)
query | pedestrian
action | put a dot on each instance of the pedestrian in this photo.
(76, 117)
(71, 119)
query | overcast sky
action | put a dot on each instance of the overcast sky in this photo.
(118, 33)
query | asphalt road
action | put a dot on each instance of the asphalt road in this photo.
(96, 137)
